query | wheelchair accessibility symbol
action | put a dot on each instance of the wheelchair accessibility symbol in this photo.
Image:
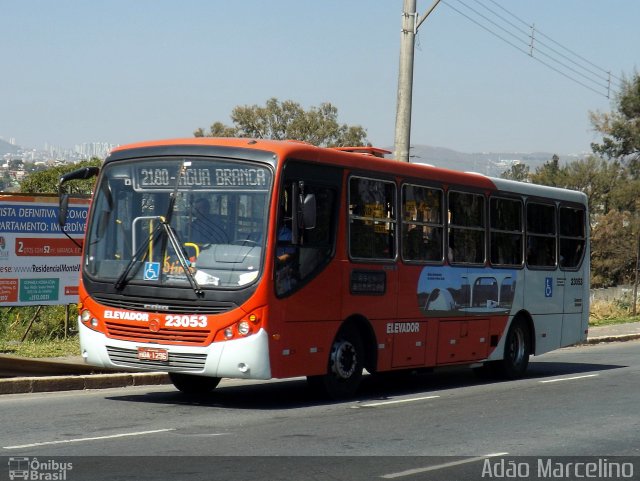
(548, 287)
(151, 271)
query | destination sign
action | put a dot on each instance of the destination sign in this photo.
(150, 177)
(214, 176)
(241, 177)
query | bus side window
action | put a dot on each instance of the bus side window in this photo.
(422, 224)
(372, 219)
(541, 235)
(466, 228)
(506, 232)
(572, 237)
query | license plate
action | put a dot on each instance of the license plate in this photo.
(151, 354)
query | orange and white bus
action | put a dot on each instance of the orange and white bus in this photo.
(256, 259)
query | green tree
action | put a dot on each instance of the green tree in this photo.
(519, 172)
(15, 163)
(5, 181)
(46, 181)
(287, 120)
(617, 221)
(621, 127)
(217, 129)
(613, 249)
(601, 181)
(550, 173)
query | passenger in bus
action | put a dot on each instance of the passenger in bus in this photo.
(205, 227)
(285, 248)
(414, 243)
(450, 247)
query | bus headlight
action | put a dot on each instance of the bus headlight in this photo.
(244, 328)
(88, 319)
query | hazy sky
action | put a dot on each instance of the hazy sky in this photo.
(117, 71)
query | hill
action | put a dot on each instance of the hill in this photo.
(7, 148)
(488, 163)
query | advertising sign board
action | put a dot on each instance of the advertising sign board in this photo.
(39, 265)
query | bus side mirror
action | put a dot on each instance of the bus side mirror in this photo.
(303, 212)
(63, 209)
(309, 211)
(79, 174)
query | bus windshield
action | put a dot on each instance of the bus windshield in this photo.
(171, 221)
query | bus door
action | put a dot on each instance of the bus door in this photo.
(572, 247)
(307, 282)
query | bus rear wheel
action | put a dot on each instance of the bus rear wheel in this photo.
(344, 371)
(517, 349)
(193, 385)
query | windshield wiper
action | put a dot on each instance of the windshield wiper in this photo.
(163, 226)
(182, 258)
(173, 237)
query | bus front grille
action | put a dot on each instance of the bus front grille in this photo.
(168, 307)
(177, 360)
(142, 333)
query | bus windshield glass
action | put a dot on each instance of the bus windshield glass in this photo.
(155, 219)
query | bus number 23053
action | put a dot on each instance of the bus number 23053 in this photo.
(185, 321)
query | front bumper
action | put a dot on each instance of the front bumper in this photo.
(246, 358)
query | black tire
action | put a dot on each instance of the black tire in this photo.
(345, 366)
(517, 349)
(193, 385)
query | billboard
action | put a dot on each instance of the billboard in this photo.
(39, 265)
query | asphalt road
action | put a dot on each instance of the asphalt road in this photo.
(576, 402)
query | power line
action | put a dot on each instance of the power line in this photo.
(557, 43)
(486, 28)
(534, 31)
(493, 23)
(572, 65)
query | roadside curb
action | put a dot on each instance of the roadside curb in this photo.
(21, 385)
(612, 338)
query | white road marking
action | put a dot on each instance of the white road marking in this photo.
(96, 438)
(569, 378)
(399, 401)
(411, 472)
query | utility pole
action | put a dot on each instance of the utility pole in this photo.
(410, 25)
(635, 282)
(405, 81)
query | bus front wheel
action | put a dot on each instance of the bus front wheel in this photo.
(344, 371)
(193, 385)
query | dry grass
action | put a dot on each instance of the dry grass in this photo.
(42, 348)
(610, 312)
(607, 310)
